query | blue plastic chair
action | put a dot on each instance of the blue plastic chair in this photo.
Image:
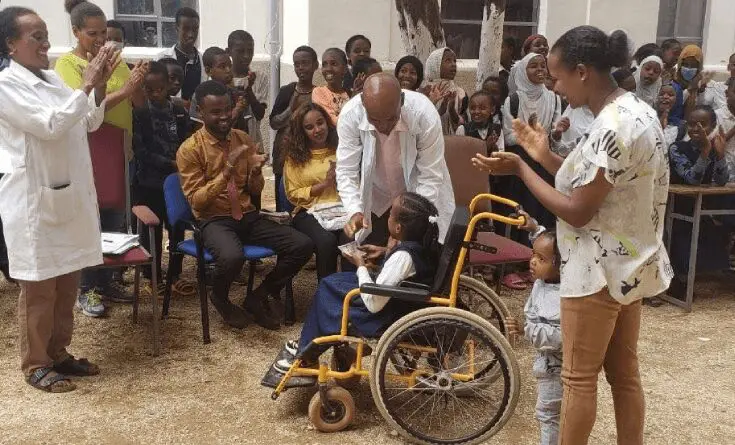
(179, 212)
(283, 203)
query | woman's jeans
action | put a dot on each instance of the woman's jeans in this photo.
(600, 333)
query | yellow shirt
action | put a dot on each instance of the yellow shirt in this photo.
(300, 178)
(70, 67)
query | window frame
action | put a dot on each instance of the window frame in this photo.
(156, 17)
(534, 24)
(697, 40)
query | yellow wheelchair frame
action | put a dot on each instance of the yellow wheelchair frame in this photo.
(324, 372)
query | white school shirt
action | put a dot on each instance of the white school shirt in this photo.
(398, 267)
(48, 202)
(621, 248)
(726, 120)
(422, 157)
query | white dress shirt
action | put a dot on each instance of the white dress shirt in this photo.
(48, 202)
(422, 157)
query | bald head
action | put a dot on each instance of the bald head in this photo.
(381, 97)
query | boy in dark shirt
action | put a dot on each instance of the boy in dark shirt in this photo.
(159, 128)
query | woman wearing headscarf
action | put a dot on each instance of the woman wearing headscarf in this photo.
(648, 79)
(532, 99)
(410, 72)
(687, 83)
(450, 99)
(534, 44)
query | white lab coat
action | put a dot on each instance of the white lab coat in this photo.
(48, 203)
(422, 157)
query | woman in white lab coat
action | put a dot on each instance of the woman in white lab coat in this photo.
(48, 202)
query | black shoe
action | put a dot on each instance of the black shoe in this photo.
(257, 307)
(233, 315)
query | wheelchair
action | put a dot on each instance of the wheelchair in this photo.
(440, 374)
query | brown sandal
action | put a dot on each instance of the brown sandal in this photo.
(57, 383)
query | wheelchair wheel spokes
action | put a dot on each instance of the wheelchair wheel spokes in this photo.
(476, 297)
(439, 397)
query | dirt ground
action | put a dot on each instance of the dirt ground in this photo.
(210, 394)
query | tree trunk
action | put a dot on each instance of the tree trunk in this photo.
(421, 27)
(491, 40)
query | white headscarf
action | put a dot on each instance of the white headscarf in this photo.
(432, 74)
(533, 98)
(648, 93)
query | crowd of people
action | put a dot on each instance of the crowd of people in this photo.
(585, 134)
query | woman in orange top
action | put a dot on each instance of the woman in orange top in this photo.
(333, 96)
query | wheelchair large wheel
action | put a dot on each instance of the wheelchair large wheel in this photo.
(437, 396)
(476, 297)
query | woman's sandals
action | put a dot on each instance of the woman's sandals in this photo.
(48, 380)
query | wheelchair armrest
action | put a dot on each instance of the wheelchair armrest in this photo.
(414, 285)
(401, 293)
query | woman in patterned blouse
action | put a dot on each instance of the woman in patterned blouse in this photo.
(609, 199)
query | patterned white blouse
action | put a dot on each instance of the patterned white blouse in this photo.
(621, 248)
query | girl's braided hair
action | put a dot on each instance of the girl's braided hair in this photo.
(418, 218)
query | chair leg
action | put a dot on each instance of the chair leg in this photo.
(499, 278)
(289, 307)
(203, 301)
(167, 293)
(136, 292)
(154, 292)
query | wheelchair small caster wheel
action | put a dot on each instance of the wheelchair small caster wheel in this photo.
(333, 414)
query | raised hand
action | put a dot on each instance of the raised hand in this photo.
(704, 140)
(94, 74)
(332, 173)
(358, 83)
(533, 139)
(137, 76)
(492, 142)
(501, 163)
(720, 142)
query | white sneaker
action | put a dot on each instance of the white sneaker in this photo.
(283, 365)
(292, 347)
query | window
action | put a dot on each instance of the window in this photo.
(462, 20)
(682, 20)
(150, 23)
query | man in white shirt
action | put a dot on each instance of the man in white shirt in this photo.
(390, 141)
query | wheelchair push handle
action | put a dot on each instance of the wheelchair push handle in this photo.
(515, 219)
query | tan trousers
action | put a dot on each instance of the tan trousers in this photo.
(46, 320)
(598, 332)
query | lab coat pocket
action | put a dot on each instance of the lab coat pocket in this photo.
(58, 205)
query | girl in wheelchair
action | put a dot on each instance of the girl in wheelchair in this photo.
(412, 253)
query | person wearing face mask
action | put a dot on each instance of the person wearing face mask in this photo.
(390, 141)
(687, 83)
(123, 89)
